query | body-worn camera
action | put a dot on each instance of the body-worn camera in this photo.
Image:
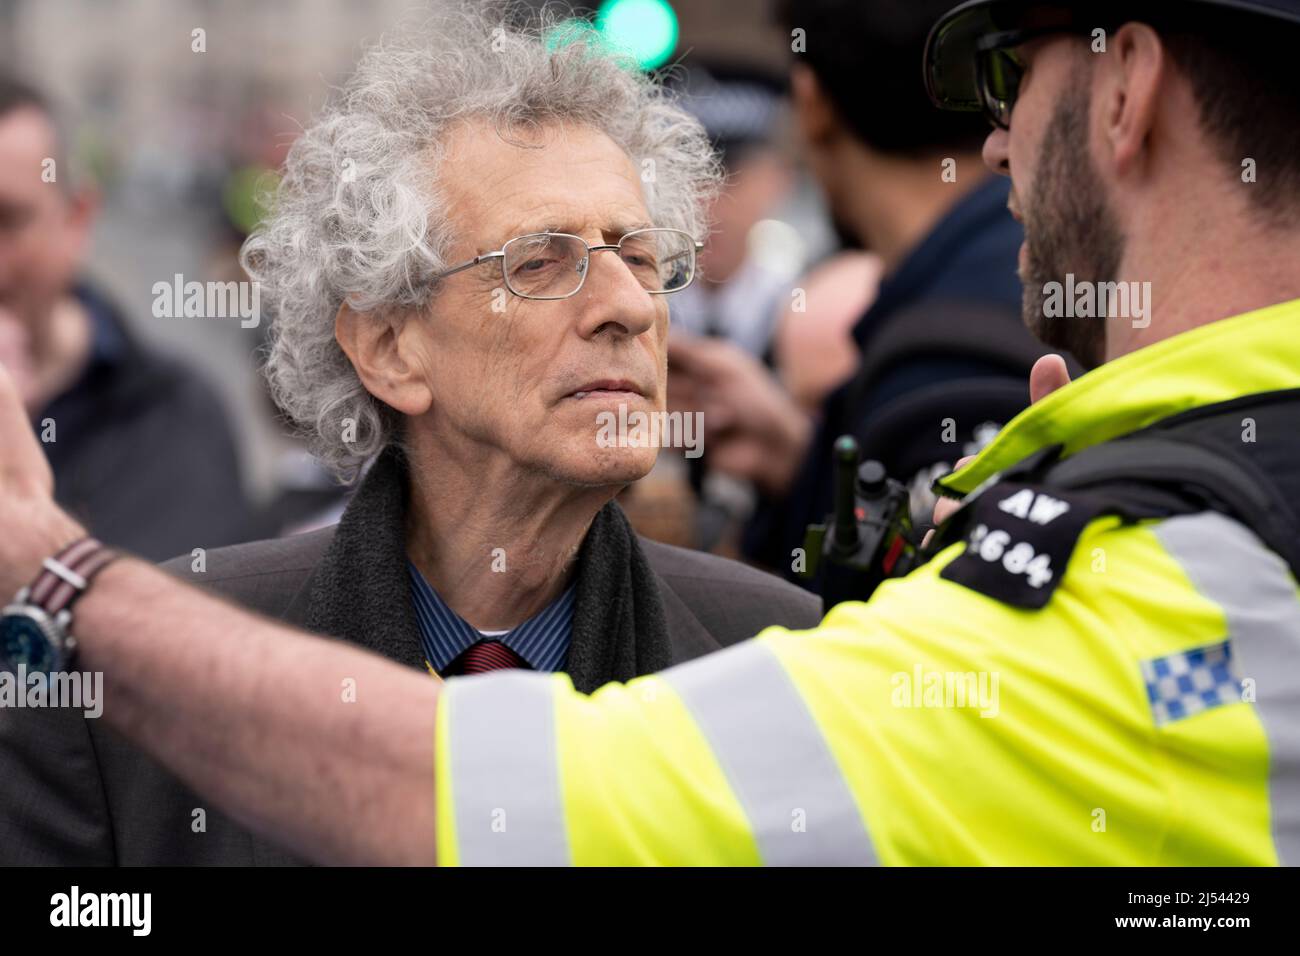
(867, 538)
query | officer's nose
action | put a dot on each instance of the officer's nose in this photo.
(613, 300)
(997, 152)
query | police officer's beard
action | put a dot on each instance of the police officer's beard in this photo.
(1069, 228)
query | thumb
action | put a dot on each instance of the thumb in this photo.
(1048, 374)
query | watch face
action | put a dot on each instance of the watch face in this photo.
(24, 640)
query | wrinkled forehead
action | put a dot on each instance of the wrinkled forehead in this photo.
(499, 183)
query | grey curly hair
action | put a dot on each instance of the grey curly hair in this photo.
(357, 215)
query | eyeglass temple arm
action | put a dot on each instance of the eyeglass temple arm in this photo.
(471, 264)
(699, 247)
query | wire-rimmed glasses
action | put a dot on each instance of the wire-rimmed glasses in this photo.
(554, 265)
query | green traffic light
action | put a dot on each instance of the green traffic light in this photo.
(646, 29)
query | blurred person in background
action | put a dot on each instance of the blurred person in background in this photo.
(747, 268)
(944, 356)
(742, 285)
(813, 351)
(458, 311)
(140, 447)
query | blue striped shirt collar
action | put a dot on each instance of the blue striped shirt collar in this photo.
(542, 640)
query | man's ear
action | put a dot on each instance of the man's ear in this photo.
(811, 107)
(1136, 64)
(383, 348)
(82, 211)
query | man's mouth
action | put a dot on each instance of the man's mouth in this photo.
(620, 388)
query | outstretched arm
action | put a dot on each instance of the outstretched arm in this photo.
(323, 747)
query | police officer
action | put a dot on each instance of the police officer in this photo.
(1100, 665)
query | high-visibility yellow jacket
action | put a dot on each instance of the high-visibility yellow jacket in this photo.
(1149, 713)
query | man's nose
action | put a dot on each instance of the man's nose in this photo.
(613, 298)
(997, 152)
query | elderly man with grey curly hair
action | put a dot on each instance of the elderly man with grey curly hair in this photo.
(468, 267)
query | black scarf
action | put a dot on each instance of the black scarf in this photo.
(361, 589)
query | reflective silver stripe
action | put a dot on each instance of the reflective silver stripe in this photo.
(504, 770)
(1227, 563)
(799, 806)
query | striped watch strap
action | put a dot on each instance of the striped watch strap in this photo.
(66, 576)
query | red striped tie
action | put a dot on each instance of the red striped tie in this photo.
(486, 656)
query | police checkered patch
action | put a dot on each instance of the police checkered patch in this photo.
(1184, 684)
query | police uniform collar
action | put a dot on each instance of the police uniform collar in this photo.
(1253, 352)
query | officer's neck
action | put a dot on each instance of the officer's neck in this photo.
(1203, 276)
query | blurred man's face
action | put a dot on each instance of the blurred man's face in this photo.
(1057, 192)
(530, 377)
(757, 180)
(42, 231)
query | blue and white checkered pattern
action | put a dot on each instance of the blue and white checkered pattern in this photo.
(1182, 685)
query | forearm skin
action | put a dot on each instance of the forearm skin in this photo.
(319, 746)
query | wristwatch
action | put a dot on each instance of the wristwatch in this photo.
(34, 628)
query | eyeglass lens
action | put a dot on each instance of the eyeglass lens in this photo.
(550, 265)
(1001, 74)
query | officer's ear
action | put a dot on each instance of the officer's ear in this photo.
(812, 108)
(1136, 70)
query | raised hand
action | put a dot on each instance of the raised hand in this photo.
(34, 527)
